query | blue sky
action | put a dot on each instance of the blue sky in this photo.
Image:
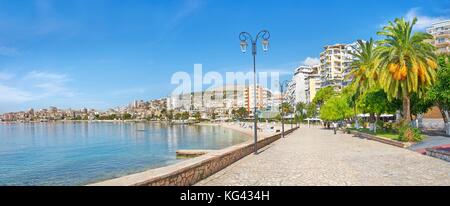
(106, 53)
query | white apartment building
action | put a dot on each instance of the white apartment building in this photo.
(290, 92)
(441, 34)
(335, 65)
(300, 75)
(222, 99)
(263, 98)
(313, 83)
(304, 85)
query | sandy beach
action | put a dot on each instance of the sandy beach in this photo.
(266, 129)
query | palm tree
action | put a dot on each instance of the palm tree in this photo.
(364, 71)
(407, 62)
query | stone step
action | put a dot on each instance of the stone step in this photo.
(191, 153)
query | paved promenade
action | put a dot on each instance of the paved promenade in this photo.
(313, 156)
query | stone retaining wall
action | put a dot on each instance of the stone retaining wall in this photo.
(441, 154)
(191, 171)
(382, 140)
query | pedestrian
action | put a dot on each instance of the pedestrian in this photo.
(334, 127)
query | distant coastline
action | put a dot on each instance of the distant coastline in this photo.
(54, 121)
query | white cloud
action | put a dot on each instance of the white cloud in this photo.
(46, 76)
(35, 85)
(310, 61)
(49, 84)
(14, 95)
(8, 51)
(422, 21)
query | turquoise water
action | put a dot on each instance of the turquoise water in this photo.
(78, 153)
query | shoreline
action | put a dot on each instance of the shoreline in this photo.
(190, 171)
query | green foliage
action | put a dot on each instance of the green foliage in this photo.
(300, 109)
(323, 94)
(126, 116)
(286, 108)
(420, 105)
(240, 113)
(336, 108)
(213, 115)
(409, 134)
(311, 110)
(365, 67)
(375, 102)
(440, 91)
(177, 116)
(197, 115)
(407, 60)
(185, 115)
(169, 115)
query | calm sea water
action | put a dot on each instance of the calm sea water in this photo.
(81, 153)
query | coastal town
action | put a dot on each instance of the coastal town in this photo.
(215, 93)
(333, 69)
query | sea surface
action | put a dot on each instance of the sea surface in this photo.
(79, 153)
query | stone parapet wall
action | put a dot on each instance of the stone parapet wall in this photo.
(191, 171)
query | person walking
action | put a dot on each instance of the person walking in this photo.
(335, 127)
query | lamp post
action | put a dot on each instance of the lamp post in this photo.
(282, 85)
(264, 35)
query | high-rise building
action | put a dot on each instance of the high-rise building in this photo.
(441, 34)
(222, 99)
(335, 65)
(296, 89)
(263, 98)
(313, 83)
(304, 84)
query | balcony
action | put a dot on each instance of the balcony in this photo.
(442, 43)
(442, 34)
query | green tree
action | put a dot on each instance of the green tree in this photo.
(168, 115)
(364, 71)
(286, 108)
(126, 116)
(375, 102)
(311, 110)
(185, 115)
(407, 62)
(177, 116)
(300, 109)
(323, 94)
(112, 117)
(240, 113)
(439, 93)
(420, 105)
(197, 116)
(336, 108)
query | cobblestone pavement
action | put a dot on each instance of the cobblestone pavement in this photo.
(314, 156)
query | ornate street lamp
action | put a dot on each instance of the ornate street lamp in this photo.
(246, 37)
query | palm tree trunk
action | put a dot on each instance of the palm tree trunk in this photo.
(406, 109)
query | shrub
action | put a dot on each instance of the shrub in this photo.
(409, 134)
(388, 126)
